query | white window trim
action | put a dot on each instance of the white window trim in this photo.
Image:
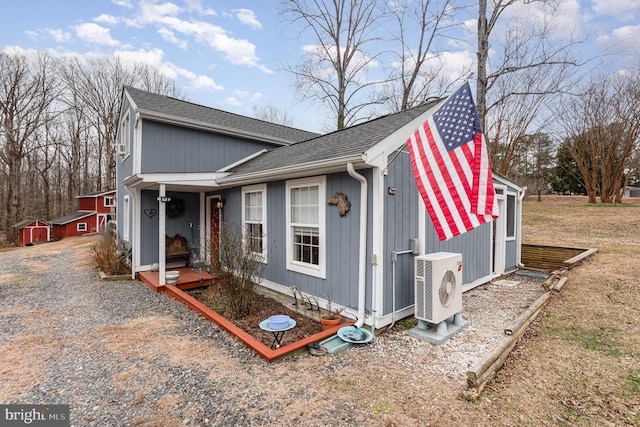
(112, 201)
(79, 228)
(515, 215)
(300, 267)
(125, 137)
(125, 218)
(262, 257)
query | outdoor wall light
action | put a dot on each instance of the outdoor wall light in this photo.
(391, 190)
(220, 204)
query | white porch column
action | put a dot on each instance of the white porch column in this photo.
(162, 210)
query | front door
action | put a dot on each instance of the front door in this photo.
(214, 228)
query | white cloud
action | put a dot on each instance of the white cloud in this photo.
(123, 3)
(170, 37)
(59, 35)
(33, 35)
(153, 12)
(95, 34)
(106, 19)
(623, 40)
(247, 17)
(165, 15)
(155, 57)
(621, 9)
(196, 5)
(233, 101)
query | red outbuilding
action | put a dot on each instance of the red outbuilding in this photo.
(95, 210)
(32, 231)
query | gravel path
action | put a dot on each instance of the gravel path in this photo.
(122, 355)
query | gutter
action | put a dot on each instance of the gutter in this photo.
(362, 259)
(323, 167)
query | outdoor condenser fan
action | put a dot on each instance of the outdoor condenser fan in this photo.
(447, 288)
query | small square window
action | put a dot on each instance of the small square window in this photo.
(82, 226)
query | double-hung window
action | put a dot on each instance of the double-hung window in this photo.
(306, 242)
(254, 220)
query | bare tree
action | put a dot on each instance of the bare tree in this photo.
(335, 71)
(417, 71)
(530, 66)
(603, 125)
(98, 86)
(272, 114)
(150, 78)
(27, 93)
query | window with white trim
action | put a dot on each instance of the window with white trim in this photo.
(511, 216)
(109, 202)
(125, 136)
(125, 218)
(254, 219)
(306, 243)
(81, 226)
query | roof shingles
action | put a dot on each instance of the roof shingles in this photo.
(350, 141)
(172, 107)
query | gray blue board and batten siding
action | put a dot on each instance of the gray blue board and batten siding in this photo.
(342, 235)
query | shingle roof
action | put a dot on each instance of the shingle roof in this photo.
(350, 141)
(97, 193)
(25, 222)
(69, 218)
(188, 111)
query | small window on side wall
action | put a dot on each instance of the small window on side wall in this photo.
(511, 216)
(81, 226)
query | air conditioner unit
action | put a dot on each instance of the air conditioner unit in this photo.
(122, 149)
(438, 286)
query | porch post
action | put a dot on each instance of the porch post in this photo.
(203, 226)
(161, 233)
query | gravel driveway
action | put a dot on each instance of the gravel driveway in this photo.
(122, 355)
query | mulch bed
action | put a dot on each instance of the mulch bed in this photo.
(262, 308)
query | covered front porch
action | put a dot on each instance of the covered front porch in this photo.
(169, 208)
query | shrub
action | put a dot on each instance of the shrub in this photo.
(110, 255)
(237, 269)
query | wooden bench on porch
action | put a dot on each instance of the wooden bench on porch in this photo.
(177, 249)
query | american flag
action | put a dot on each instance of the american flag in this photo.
(451, 167)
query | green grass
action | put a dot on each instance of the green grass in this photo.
(600, 340)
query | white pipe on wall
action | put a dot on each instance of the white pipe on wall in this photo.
(362, 259)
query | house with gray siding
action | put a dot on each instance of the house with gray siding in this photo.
(187, 169)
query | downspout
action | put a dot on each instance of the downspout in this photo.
(362, 259)
(519, 241)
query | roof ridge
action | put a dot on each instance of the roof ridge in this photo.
(127, 87)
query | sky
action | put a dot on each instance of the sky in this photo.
(231, 55)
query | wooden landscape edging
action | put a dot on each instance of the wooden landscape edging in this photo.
(548, 257)
(263, 350)
(486, 369)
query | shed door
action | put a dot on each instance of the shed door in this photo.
(39, 234)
